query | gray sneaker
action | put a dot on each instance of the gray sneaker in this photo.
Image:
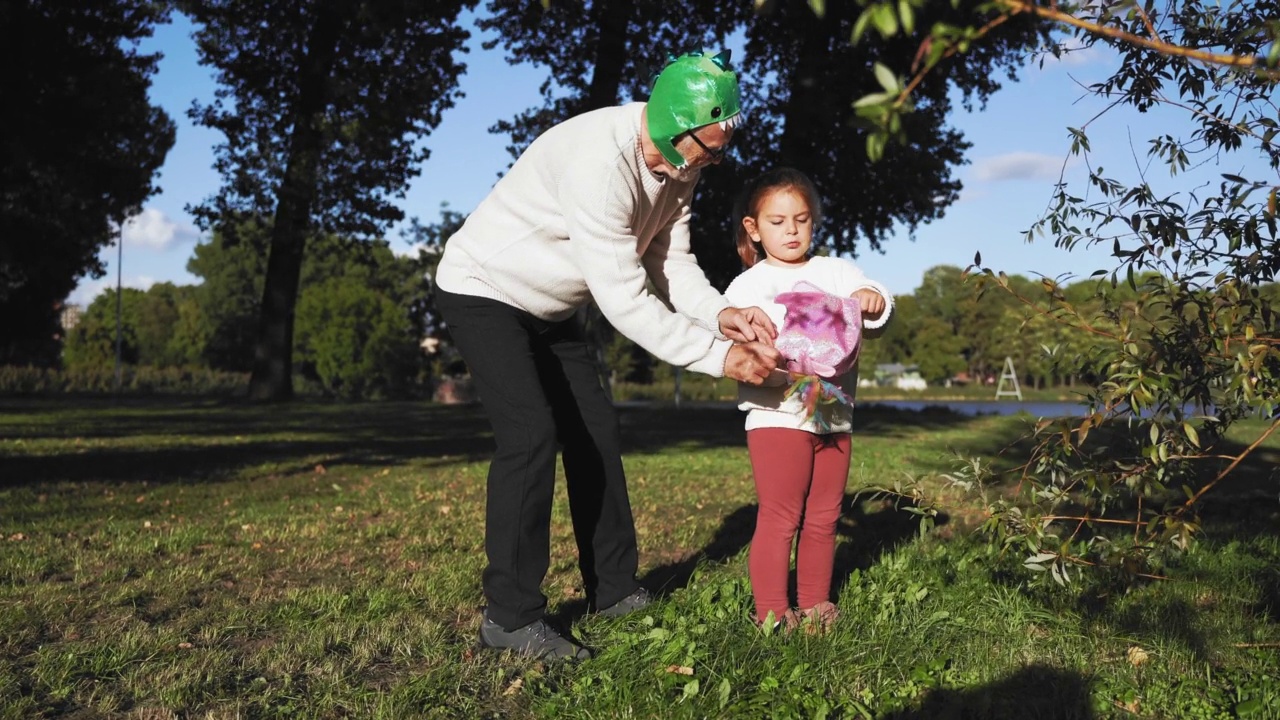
(536, 640)
(629, 604)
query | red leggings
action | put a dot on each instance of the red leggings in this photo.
(800, 478)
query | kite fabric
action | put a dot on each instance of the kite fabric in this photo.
(820, 338)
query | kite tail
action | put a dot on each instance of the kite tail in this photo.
(815, 392)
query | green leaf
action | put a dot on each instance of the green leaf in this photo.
(872, 99)
(1248, 707)
(907, 15)
(1192, 435)
(819, 7)
(886, 78)
(875, 146)
(860, 26)
(885, 21)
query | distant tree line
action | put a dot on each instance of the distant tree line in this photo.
(363, 313)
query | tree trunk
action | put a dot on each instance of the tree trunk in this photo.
(612, 19)
(805, 83)
(272, 376)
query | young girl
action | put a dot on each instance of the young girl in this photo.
(800, 461)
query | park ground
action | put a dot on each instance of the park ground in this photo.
(165, 558)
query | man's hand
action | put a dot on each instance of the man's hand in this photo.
(747, 325)
(751, 363)
(871, 301)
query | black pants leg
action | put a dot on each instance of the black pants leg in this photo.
(540, 389)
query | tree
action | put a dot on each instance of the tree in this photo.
(800, 76)
(152, 329)
(232, 267)
(322, 103)
(92, 342)
(233, 274)
(1191, 349)
(355, 340)
(79, 148)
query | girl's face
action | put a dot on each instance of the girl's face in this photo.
(783, 226)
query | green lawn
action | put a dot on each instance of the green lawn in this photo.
(178, 559)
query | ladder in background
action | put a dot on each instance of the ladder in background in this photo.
(1012, 376)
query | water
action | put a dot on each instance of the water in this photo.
(964, 407)
(986, 407)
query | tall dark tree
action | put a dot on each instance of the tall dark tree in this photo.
(322, 104)
(800, 76)
(79, 149)
(598, 52)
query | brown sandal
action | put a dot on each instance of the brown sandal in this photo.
(818, 619)
(788, 622)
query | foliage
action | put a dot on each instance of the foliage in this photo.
(798, 95)
(429, 239)
(322, 114)
(81, 145)
(153, 329)
(355, 340)
(1190, 349)
(228, 298)
(134, 380)
(231, 266)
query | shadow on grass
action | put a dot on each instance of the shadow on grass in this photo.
(207, 442)
(176, 440)
(1036, 692)
(869, 536)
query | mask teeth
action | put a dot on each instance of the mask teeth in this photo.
(731, 123)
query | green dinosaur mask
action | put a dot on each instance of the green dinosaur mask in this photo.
(691, 91)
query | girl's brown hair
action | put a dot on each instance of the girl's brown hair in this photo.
(749, 200)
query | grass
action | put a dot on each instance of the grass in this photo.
(168, 558)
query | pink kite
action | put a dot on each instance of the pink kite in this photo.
(820, 338)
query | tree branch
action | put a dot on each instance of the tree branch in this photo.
(1164, 48)
(1227, 471)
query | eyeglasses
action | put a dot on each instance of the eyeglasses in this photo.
(716, 155)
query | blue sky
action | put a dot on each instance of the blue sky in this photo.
(1020, 148)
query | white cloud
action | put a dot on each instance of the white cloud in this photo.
(90, 289)
(151, 229)
(1074, 53)
(1018, 166)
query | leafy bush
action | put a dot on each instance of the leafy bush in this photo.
(144, 380)
(355, 341)
(1191, 350)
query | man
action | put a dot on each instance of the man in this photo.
(597, 208)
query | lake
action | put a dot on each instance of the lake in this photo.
(985, 407)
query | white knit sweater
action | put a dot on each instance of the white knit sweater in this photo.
(765, 405)
(580, 216)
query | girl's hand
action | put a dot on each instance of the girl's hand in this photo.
(871, 301)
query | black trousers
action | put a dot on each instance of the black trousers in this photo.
(540, 389)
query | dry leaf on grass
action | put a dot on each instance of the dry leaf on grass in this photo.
(1137, 656)
(679, 670)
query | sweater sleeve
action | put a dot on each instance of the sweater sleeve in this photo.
(595, 199)
(853, 280)
(674, 270)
